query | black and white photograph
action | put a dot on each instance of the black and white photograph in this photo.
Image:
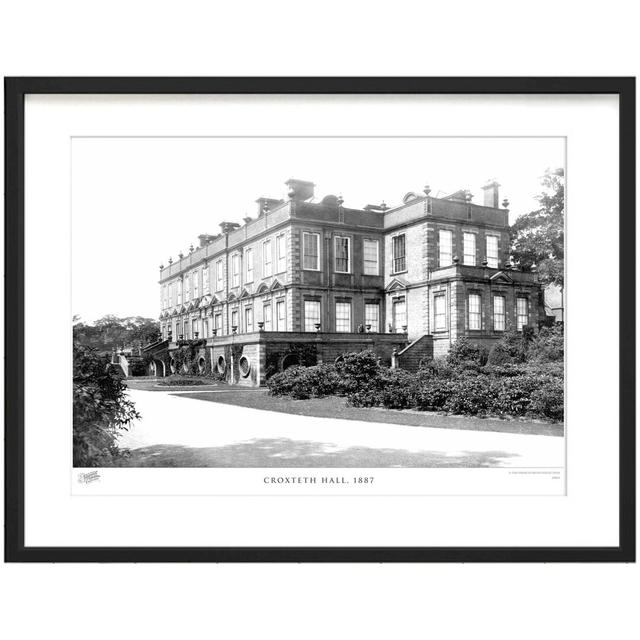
(366, 318)
(318, 302)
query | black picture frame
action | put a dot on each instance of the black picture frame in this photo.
(15, 91)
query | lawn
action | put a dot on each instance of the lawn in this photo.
(335, 407)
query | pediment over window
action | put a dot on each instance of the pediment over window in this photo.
(276, 284)
(232, 297)
(262, 288)
(244, 294)
(501, 276)
(174, 312)
(396, 284)
(205, 301)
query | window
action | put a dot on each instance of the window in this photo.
(343, 254)
(475, 312)
(399, 314)
(281, 316)
(179, 291)
(187, 288)
(205, 281)
(219, 277)
(267, 259)
(311, 251)
(399, 254)
(372, 316)
(266, 316)
(194, 328)
(248, 263)
(235, 270)
(195, 283)
(492, 251)
(439, 313)
(343, 316)
(370, 253)
(311, 314)
(234, 319)
(522, 313)
(498, 313)
(446, 247)
(469, 249)
(185, 330)
(281, 246)
(248, 319)
(218, 323)
(205, 328)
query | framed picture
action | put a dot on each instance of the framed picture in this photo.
(320, 319)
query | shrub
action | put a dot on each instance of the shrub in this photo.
(464, 352)
(547, 345)
(358, 370)
(457, 385)
(433, 395)
(500, 355)
(305, 382)
(548, 400)
(367, 397)
(100, 409)
(397, 388)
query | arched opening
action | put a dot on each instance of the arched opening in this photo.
(290, 360)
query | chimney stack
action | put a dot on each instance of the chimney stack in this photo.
(205, 239)
(491, 194)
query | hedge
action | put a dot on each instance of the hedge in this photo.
(460, 384)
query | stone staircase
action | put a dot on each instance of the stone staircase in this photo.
(415, 353)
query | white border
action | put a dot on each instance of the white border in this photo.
(587, 516)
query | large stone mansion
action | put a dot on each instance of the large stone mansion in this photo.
(308, 279)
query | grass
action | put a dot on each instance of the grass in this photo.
(335, 407)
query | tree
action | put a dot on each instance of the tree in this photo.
(111, 332)
(101, 409)
(538, 237)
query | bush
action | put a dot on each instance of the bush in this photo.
(547, 345)
(368, 397)
(457, 384)
(358, 370)
(434, 394)
(100, 409)
(398, 389)
(464, 352)
(305, 382)
(500, 355)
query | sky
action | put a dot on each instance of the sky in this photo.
(138, 201)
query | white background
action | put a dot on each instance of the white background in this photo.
(490, 38)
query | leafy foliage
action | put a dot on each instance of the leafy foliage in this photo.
(111, 332)
(463, 352)
(538, 237)
(100, 409)
(523, 376)
(306, 382)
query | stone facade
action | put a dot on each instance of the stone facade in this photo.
(334, 277)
